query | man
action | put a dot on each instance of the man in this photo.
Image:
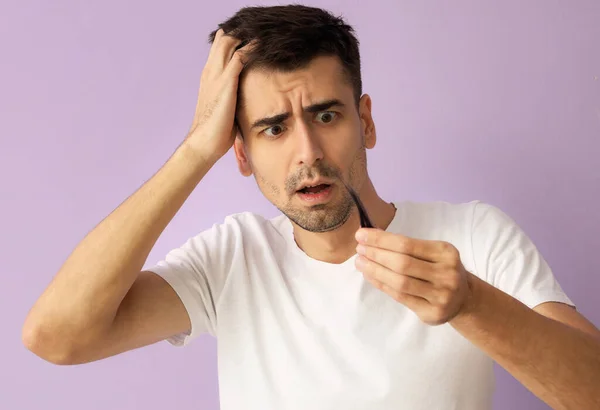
(311, 312)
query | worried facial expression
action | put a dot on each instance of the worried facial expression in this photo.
(304, 137)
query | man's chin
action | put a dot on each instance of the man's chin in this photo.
(328, 228)
(320, 219)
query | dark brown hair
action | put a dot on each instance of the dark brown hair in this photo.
(289, 37)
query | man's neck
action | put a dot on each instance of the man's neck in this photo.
(339, 245)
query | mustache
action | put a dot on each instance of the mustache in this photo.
(326, 171)
(319, 170)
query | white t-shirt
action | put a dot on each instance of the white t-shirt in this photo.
(295, 333)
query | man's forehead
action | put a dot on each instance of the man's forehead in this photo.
(264, 90)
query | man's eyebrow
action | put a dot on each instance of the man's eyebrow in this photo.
(279, 118)
(323, 106)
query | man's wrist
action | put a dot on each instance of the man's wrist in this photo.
(472, 301)
(199, 159)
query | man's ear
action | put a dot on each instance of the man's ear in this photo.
(366, 121)
(241, 156)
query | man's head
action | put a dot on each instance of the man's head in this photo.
(290, 37)
(301, 113)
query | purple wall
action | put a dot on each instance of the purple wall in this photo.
(498, 102)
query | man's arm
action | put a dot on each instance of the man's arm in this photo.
(99, 304)
(81, 309)
(557, 357)
(558, 362)
(568, 315)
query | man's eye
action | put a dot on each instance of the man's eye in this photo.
(326, 116)
(274, 131)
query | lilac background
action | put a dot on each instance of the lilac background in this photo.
(498, 101)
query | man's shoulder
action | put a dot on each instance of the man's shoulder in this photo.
(445, 220)
(436, 220)
(444, 210)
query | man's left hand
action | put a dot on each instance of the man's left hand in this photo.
(426, 276)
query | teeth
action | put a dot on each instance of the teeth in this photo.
(310, 186)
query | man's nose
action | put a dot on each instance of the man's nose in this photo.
(308, 145)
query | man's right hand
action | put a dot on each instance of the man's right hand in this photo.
(213, 130)
(100, 303)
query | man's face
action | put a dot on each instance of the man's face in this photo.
(301, 129)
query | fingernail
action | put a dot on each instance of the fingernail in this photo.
(361, 249)
(361, 235)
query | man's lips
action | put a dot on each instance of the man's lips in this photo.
(313, 184)
(316, 194)
(313, 189)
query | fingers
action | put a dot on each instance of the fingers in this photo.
(427, 250)
(399, 263)
(414, 303)
(221, 52)
(400, 283)
(227, 48)
(239, 60)
(227, 56)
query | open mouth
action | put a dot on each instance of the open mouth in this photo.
(321, 192)
(315, 194)
(314, 189)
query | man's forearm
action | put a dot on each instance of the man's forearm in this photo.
(557, 363)
(81, 301)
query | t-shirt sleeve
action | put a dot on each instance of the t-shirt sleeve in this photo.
(197, 271)
(507, 258)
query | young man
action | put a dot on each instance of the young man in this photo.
(311, 312)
